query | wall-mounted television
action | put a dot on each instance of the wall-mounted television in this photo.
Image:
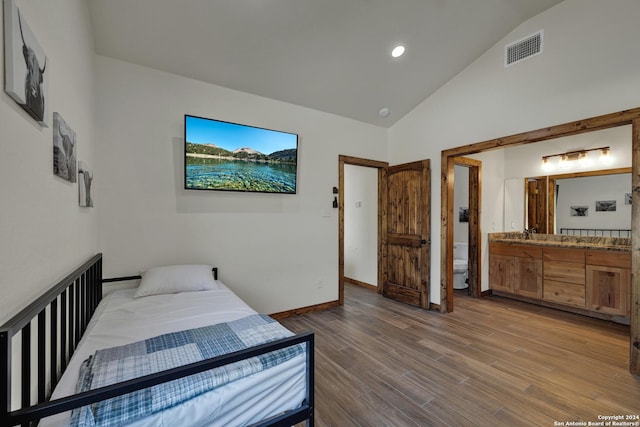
(220, 155)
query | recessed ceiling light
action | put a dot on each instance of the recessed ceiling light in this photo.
(384, 111)
(397, 51)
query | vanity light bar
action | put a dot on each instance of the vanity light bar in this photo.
(581, 155)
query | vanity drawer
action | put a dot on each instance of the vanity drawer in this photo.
(522, 251)
(617, 259)
(560, 271)
(564, 293)
(564, 254)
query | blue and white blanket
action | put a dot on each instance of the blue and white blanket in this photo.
(113, 365)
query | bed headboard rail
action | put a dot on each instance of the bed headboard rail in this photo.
(214, 270)
(597, 232)
(62, 314)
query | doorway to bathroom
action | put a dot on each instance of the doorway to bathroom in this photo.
(463, 262)
(461, 231)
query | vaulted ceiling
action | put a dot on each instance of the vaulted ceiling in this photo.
(329, 55)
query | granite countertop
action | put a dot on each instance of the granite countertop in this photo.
(586, 242)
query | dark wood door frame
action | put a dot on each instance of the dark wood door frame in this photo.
(382, 217)
(475, 240)
(621, 118)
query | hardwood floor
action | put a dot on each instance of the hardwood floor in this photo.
(492, 362)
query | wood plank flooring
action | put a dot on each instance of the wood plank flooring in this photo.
(492, 362)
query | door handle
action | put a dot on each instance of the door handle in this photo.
(424, 242)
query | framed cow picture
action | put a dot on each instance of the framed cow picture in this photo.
(26, 73)
(64, 149)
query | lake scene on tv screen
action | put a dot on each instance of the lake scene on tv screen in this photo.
(228, 156)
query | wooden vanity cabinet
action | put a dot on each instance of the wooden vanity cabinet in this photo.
(516, 269)
(608, 282)
(587, 281)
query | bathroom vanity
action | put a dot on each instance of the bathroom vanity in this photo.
(586, 275)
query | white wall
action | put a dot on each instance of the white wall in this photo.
(514, 203)
(589, 67)
(277, 252)
(361, 224)
(44, 234)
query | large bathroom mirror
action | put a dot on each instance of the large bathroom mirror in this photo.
(593, 203)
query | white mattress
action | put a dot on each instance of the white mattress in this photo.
(121, 319)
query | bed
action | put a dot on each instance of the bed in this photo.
(83, 327)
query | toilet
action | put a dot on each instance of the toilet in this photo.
(460, 265)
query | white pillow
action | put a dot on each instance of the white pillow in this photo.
(172, 279)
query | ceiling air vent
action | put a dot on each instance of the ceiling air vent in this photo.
(523, 49)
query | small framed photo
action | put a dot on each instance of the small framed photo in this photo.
(463, 215)
(606, 206)
(85, 178)
(579, 210)
(64, 149)
(627, 198)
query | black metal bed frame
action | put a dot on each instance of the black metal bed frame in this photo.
(596, 232)
(77, 296)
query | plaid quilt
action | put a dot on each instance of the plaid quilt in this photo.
(167, 351)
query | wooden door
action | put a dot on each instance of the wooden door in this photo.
(537, 204)
(408, 236)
